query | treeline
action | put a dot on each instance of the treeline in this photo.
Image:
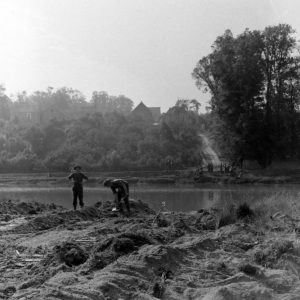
(254, 82)
(112, 140)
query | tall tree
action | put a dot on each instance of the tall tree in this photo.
(105, 103)
(253, 80)
(5, 104)
(282, 79)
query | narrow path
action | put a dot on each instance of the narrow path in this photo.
(210, 156)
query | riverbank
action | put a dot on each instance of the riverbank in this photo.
(247, 178)
(235, 252)
(156, 177)
(95, 179)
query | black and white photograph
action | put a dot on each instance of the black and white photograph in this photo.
(150, 149)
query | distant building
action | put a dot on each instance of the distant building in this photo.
(149, 114)
(155, 113)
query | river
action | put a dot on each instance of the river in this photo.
(176, 198)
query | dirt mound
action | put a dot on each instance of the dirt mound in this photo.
(99, 254)
(25, 208)
(136, 207)
(108, 250)
(71, 219)
(85, 214)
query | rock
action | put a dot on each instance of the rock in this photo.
(249, 269)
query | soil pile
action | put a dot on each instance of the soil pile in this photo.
(10, 209)
(99, 254)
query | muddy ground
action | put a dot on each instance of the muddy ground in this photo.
(47, 252)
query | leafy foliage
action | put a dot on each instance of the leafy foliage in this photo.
(105, 139)
(254, 84)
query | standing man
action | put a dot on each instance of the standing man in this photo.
(120, 189)
(77, 176)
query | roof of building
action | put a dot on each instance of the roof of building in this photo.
(152, 113)
(143, 111)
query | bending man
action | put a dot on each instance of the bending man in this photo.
(120, 189)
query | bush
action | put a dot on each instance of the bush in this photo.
(244, 211)
(227, 216)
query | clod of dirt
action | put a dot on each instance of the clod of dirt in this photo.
(31, 283)
(249, 269)
(162, 222)
(9, 291)
(206, 220)
(269, 255)
(71, 254)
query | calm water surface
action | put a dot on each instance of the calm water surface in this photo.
(176, 198)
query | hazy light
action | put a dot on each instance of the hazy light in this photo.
(145, 50)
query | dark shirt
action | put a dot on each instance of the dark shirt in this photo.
(77, 178)
(120, 186)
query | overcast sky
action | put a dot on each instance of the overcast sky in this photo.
(144, 49)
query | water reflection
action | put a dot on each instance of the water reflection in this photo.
(176, 198)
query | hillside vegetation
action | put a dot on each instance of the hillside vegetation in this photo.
(112, 139)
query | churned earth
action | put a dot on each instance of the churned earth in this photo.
(47, 252)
